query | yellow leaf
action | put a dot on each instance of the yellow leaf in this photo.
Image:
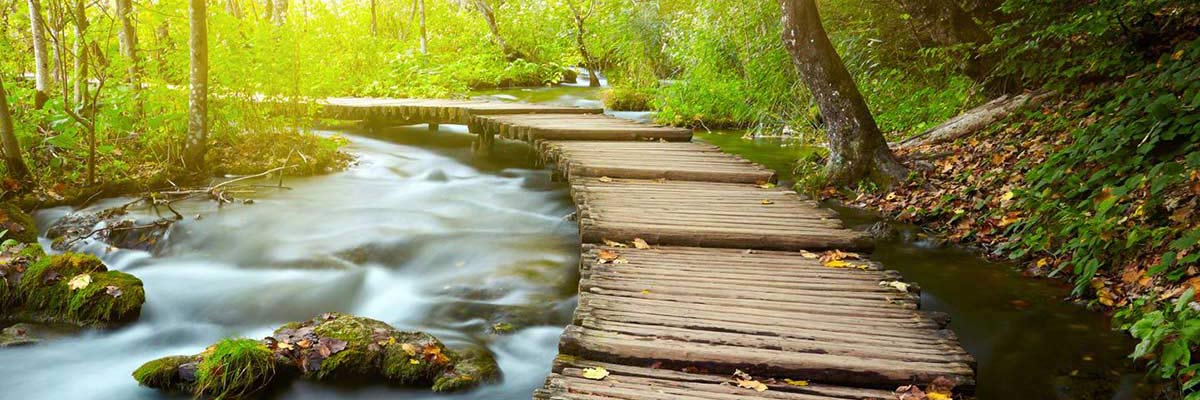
(409, 348)
(645, 291)
(766, 185)
(414, 361)
(595, 373)
(641, 244)
(809, 255)
(80, 281)
(1042, 262)
(795, 382)
(605, 179)
(1007, 196)
(837, 264)
(767, 202)
(936, 396)
(901, 286)
(752, 384)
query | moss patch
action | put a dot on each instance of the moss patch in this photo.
(172, 374)
(235, 369)
(112, 296)
(17, 223)
(44, 285)
(475, 366)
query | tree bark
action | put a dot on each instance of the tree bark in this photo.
(233, 8)
(580, 32)
(945, 23)
(374, 20)
(127, 36)
(81, 52)
(197, 139)
(857, 149)
(424, 37)
(489, 16)
(281, 10)
(8, 138)
(40, 60)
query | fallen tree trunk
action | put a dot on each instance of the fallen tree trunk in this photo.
(975, 119)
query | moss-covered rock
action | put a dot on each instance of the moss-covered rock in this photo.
(78, 289)
(330, 348)
(174, 374)
(17, 223)
(15, 260)
(235, 369)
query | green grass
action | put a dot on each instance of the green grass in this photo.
(235, 369)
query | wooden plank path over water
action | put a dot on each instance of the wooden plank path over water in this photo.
(729, 282)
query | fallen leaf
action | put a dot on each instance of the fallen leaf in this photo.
(113, 291)
(605, 179)
(795, 382)
(613, 243)
(640, 244)
(607, 255)
(284, 346)
(901, 286)
(409, 348)
(767, 202)
(752, 384)
(80, 281)
(837, 264)
(595, 373)
(766, 185)
(809, 255)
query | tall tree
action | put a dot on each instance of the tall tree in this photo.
(41, 62)
(280, 12)
(80, 50)
(424, 37)
(857, 149)
(8, 138)
(374, 20)
(489, 16)
(944, 23)
(580, 15)
(197, 139)
(127, 36)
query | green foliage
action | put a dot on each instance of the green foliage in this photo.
(1167, 337)
(628, 99)
(1116, 185)
(235, 369)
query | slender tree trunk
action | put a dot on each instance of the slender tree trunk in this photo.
(8, 138)
(197, 141)
(269, 10)
(128, 39)
(233, 8)
(857, 149)
(374, 20)
(945, 23)
(580, 32)
(489, 16)
(81, 52)
(424, 37)
(40, 61)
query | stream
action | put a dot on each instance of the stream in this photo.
(424, 236)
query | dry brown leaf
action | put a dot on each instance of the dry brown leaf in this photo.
(640, 244)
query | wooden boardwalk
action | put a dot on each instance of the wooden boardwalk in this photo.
(729, 278)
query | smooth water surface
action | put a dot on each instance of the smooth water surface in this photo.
(417, 234)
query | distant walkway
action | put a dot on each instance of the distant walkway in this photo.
(728, 279)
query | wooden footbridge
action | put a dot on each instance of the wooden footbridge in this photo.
(730, 278)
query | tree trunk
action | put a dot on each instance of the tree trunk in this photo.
(424, 38)
(197, 139)
(128, 38)
(945, 23)
(857, 150)
(233, 8)
(269, 10)
(81, 52)
(8, 138)
(489, 16)
(580, 32)
(40, 61)
(374, 20)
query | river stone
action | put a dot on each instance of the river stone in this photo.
(117, 230)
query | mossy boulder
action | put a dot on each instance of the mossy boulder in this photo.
(17, 223)
(79, 289)
(176, 374)
(332, 348)
(15, 260)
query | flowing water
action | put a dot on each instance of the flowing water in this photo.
(421, 235)
(417, 234)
